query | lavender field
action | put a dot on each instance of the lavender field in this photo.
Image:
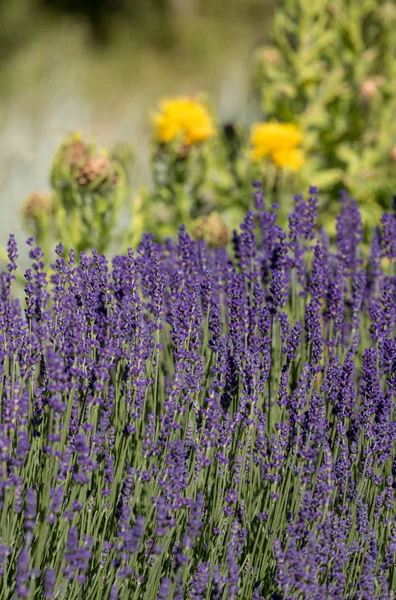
(197, 300)
(186, 422)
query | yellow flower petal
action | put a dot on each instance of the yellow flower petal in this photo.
(182, 117)
(292, 158)
(280, 141)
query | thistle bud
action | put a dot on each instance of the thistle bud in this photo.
(269, 55)
(38, 212)
(70, 157)
(74, 151)
(38, 204)
(388, 12)
(212, 229)
(97, 168)
(369, 88)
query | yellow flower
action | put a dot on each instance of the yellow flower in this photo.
(183, 117)
(292, 158)
(279, 141)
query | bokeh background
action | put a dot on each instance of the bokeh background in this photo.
(100, 66)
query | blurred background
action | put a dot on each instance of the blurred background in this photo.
(100, 66)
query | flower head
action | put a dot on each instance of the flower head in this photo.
(73, 151)
(183, 117)
(292, 158)
(36, 204)
(212, 229)
(280, 142)
(97, 169)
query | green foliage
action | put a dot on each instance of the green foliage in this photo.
(89, 192)
(212, 178)
(196, 181)
(332, 69)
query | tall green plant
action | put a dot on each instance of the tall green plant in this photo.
(332, 69)
(85, 207)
